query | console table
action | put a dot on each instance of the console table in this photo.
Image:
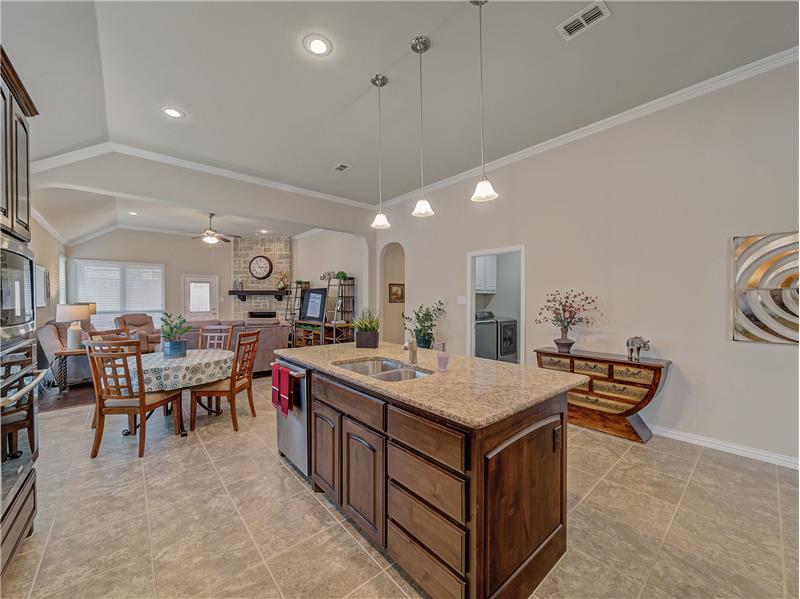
(617, 390)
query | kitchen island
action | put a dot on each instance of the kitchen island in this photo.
(459, 476)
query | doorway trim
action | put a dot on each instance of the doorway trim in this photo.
(470, 319)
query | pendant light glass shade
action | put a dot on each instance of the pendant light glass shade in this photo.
(380, 221)
(423, 208)
(420, 45)
(484, 192)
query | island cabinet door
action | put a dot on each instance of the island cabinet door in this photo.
(326, 425)
(364, 479)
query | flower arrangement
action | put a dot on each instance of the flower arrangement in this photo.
(424, 321)
(567, 310)
(282, 279)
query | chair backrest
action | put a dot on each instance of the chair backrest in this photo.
(136, 322)
(215, 336)
(246, 347)
(108, 335)
(116, 364)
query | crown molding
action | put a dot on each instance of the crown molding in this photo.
(45, 224)
(308, 233)
(46, 164)
(93, 235)
(742, 73)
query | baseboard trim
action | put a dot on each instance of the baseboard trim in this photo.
(742, 450)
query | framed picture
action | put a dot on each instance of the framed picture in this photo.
(397, 293)
(313, 308)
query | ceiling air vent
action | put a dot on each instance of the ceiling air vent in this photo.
(341, 167)
(583, 20)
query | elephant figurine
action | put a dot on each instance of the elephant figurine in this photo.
(635, 345)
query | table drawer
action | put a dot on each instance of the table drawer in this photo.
(592, 368)
(447, 541)
(360, 406)
(618, 390)
(633, 374)
(438, 487)
(554, 363)
(435, 578)
(438, 442)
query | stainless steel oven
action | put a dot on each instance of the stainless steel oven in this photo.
(17, 308)
(294, 442)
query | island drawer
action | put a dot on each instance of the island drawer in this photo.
(434, 440)
(435, 485)
(446, 540)
(435, 578)
(360, 406)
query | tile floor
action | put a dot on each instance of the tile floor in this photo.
(218, 514)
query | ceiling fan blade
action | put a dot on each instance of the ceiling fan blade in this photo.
(221, 238)
(198, 237)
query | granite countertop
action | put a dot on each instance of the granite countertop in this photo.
(472, 392)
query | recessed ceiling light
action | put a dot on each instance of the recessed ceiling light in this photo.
(317, 44)
(132, 213)
(173, 112)
(264, 231)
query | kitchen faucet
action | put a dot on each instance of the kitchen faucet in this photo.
(411, 346)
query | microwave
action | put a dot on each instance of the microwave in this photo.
(17, 307)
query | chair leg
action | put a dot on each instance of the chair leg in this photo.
(142, 427)
(94, 418)
(132, 423)
(32, 436)
(232, 401)
(250, 399)
(218, 405)
(193, 412)
(98, 433)
(176, 415)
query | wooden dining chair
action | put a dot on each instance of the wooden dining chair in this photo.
(241, 378)
(215, 336)
(119, 388)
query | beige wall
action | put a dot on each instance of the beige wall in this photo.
(180, 254)
(393, 271)
(642, 215)
(46, 250)
(321, 251)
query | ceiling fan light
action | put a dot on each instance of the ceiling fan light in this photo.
(380, 222)
(423, 208)
(484, 192)
(210, 239)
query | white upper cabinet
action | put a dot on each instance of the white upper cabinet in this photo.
(486, 274)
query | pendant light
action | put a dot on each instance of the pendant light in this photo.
(380, 222)
(484, 192)
(420, 45)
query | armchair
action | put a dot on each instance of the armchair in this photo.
(142, 324)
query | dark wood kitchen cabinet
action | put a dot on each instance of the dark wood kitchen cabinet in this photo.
(364, 478)
(17, 108)
(326, 426)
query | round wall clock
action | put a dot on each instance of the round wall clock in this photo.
(260, 267)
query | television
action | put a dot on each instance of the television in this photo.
(314, 305)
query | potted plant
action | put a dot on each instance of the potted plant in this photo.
(172, 329)
(567, 310)
(341, 276)
(424, 322)
(367, 326)
(282, 280)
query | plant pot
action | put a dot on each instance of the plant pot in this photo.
(367, 339)
(173, 349)
(564, 343)
(424, 342)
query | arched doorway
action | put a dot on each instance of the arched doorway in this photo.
(393, 281)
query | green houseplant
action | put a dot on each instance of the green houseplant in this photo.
(341, 276)
(367, 326)
(172, 329)
(424, 321)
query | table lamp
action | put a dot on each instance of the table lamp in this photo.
(73, 313)
(92, 306)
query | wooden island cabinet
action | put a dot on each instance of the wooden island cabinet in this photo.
(466, 512)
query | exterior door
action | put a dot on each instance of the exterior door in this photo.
(200, 298)
(363, 479)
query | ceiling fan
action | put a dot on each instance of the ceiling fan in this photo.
(211, 235)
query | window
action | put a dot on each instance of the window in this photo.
(62, 279)
(199, 297)
(119, 288)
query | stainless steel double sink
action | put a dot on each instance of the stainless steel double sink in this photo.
(383, 369)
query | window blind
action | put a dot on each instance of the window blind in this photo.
(62, 279)
(119, 288)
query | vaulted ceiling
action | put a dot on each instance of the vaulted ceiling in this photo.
(258, 104)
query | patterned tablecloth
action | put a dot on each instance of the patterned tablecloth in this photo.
(200, 366)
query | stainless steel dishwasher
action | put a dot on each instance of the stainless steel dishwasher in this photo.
(294, 442)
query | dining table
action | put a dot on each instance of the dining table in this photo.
(197, 367)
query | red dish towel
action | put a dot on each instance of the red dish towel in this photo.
(276, 382)
(284, 391)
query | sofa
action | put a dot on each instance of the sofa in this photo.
(274, 335)
(142, 324)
